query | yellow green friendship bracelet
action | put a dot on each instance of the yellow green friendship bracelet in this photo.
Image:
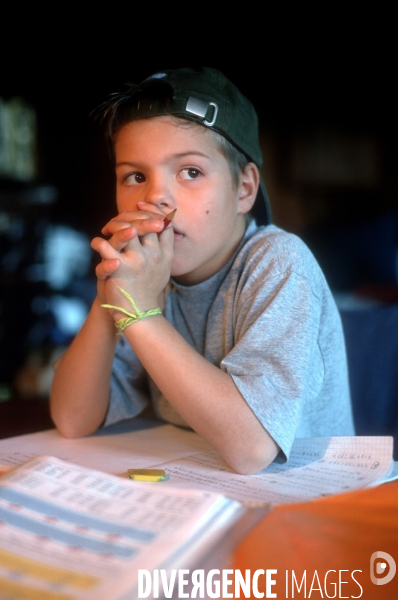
(124, 322)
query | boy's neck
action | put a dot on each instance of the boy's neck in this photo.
(186, 280)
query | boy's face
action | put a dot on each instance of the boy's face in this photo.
(170, 165)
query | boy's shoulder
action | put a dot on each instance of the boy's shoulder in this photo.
(276, 245)
(270, 256)
(271, 261)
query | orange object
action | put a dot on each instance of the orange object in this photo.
(333, 541)
(5, 469)
(168, 218)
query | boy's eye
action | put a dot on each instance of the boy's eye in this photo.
(134, 178)
(190, 173)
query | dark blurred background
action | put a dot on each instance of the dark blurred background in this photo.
(327, 111)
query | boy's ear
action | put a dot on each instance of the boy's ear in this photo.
(250, 180)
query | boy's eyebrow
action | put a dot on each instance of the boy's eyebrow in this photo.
(189, 153)
(172, 156)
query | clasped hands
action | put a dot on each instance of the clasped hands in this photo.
(136, 257)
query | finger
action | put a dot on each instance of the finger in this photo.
(121, 238)
(132, 215)
(156, 244)
(149, 208)
(142, 225)
(151, 238)
(104, 248)
(166, 238)
(140, 241)
(107, 267)
(115, 225)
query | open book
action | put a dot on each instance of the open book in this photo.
(69, 532)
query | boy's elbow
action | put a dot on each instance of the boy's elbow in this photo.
(71, 428)
(254, 459)
(68, 430)
(249, 465)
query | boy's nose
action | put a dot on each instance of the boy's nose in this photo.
(158, 193)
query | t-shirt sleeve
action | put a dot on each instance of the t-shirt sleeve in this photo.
(276, 362)
(129, 385)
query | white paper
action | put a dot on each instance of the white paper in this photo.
(317, 467)
(136, 443)
(72, 532)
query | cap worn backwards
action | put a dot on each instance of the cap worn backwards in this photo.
(207, 96)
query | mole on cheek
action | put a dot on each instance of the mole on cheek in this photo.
(207, 212)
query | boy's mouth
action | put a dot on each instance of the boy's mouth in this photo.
(177, 235)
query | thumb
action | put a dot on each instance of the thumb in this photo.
(166, 239)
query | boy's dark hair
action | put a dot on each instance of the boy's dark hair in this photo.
(204, 96)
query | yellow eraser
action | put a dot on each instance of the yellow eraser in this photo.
(147, 474)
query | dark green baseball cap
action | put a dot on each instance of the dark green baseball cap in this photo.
(207, 96)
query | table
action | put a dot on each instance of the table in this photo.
(338, 533)
(334, 537)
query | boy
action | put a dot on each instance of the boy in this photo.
(231, 328)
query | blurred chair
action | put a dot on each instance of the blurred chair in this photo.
(371, 336)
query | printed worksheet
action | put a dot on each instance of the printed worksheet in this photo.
(317, 467)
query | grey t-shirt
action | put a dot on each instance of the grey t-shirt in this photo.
(268, 319)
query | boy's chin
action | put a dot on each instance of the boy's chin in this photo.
(179, 270)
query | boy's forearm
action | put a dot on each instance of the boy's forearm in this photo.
(205, 397)
(80, 389)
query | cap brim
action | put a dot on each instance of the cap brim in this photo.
(261, 209)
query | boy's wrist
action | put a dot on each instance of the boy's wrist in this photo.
(100, 320)
(99, 313)
(124, 316)
(122, 309)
